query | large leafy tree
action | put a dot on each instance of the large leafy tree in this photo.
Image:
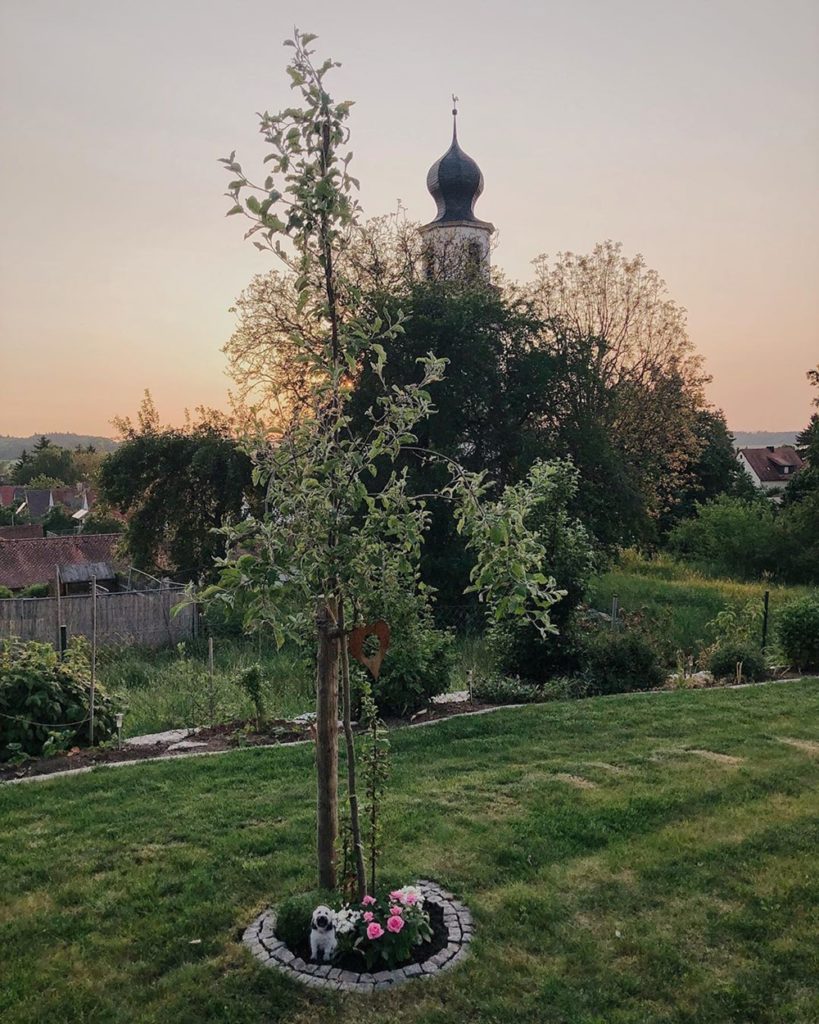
(625, 371)
(46, 460)
(174, 487)
(714, 471)
(489, 405)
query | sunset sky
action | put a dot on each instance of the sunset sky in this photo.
(687, 131)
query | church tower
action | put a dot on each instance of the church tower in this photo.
(457, 243)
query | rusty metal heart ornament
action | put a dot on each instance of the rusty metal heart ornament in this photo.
(358, 635)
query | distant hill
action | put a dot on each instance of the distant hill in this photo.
(762, 438)
(12, 447)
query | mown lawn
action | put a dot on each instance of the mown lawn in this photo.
(646, 858)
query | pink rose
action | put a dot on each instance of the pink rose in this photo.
(396, 909)
(410, 898)
(375, 931)
(368, 901)
(395, 923)
(396, 895)
(368, 916)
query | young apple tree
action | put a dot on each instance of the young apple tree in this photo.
(339, 513)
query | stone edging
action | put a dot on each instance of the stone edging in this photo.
(260, 938)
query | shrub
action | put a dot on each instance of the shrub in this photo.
(35, 590)
(5, 592)
(506, 690)
(731, 537)
(727, 656)
(418, 666)
(620, 662)
(293, 918)
(44, 702)
(798, 632)
(250, 680)
(520, 650)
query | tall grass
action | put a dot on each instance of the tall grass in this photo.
(680, 600)
(171, 689)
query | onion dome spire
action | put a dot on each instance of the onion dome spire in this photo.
(455, 181)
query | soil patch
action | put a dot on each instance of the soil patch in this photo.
(230, 736)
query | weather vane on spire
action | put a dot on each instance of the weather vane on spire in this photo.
(454, 105)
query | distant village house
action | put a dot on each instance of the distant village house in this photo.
(770, 468)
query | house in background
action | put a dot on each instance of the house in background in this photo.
(37, 502)
(770, 468)
(25, 532)
(28, 561)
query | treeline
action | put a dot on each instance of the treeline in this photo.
(590, 362)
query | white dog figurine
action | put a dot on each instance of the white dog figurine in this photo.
(323, 934)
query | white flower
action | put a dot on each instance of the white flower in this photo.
(346, 920)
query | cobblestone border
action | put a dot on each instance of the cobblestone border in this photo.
(260, 938)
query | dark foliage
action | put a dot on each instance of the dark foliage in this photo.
(734, 657)
(47, 459)
(620, 662)
(798, 632)
(175, 487)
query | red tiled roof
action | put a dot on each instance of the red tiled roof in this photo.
(24, 562)
(20, 532)
(768, 464)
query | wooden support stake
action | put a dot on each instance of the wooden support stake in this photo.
(327, 743)
(60, 648)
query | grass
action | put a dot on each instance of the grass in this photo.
(169, 689)
(166, 689)
(646, 858)
(679, 599)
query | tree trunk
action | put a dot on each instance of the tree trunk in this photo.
(352, 794)
(327, 742)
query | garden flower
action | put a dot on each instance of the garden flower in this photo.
(368, 915)
(395, 923)
(368, 901)
(396, 894)
(397, 909)
(375, 931)
(346, 920)
(409, 896)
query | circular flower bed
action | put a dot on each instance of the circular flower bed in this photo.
(452, 932)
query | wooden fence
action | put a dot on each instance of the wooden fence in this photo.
(131, 617)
